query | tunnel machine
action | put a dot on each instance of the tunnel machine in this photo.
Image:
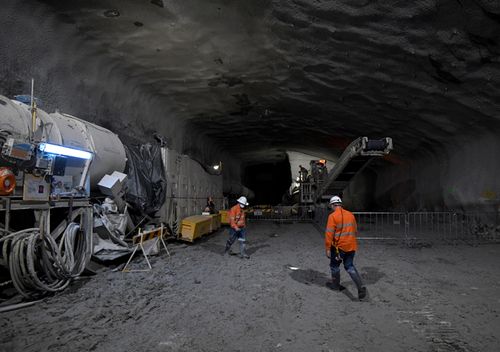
(321, 185)
(48, 165)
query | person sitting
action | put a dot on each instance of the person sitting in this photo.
(210, 207)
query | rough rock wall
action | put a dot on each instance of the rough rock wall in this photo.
(464, 176)
(75, 77)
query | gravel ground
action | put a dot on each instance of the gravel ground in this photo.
(430, 299)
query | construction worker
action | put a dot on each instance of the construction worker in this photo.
(302, 174)
(237, 229)
(210, 207)
(341, 245)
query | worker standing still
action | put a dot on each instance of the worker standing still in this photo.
(237, 230)
(341, 245)
(302, 174)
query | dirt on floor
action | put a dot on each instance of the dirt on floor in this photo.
(444, 298)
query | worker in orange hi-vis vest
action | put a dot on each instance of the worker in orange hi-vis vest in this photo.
(341, 245)
(237, 229)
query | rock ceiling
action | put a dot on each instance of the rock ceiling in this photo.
(308, 75)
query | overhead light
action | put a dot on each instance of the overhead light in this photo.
(60, 150)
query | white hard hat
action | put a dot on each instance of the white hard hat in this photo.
(335, 200)
(243, 200)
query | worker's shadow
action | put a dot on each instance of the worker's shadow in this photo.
(252, 249)
(370, 275)
(317, 278)
(219, 248)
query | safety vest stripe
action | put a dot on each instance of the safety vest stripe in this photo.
(331, 229)
(345, 225)
(345, 234)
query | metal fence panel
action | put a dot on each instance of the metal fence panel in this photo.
(386, 226)
(282, 214)
(412, 229)
(423, 228)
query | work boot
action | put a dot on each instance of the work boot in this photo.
(334, 287)
(362, 292)
(356, 278)
(334, 283)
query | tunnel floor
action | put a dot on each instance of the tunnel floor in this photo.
(429, 299)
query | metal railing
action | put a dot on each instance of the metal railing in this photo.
(412, 228)
(423, 228)
(282, 214)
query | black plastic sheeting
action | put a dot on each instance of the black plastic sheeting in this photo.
(146, 182)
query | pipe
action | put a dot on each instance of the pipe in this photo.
(18, 306)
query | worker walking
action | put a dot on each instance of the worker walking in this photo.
(237, 229)
(341, 245)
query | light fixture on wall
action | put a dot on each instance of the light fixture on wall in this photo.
(217, 168)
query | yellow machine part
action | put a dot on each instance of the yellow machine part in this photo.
(7, 181)
(224, 217)
(196, 226)
(215, 221)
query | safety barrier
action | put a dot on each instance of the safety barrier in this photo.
(423, 228)
(282, 214)
(413, 228)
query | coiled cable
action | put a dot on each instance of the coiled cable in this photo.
(38, 265)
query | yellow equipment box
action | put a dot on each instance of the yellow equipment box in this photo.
(215, 221)
(224, 218)
(195, 226)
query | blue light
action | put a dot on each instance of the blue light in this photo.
(60, 150)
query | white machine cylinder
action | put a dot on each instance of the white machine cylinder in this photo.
(109, 152)
(14, 118)
(67, 130)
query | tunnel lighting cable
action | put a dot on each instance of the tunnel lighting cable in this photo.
(37, 264)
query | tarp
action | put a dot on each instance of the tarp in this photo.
(146, 183)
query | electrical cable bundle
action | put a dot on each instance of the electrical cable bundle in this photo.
(38, 265)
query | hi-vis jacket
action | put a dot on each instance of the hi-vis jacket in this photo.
(236, 217)
(341, 229)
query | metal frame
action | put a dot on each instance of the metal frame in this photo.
(142, 237)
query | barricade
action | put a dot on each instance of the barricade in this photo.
(282, 214)
(143, 236)
(423, 228)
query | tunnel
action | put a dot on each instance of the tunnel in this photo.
(269, 181)
(234, 98)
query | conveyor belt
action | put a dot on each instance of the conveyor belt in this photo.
(356, 156)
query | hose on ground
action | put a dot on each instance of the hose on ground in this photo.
(37, 264)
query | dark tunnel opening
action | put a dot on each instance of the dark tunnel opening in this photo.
(270, 181)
